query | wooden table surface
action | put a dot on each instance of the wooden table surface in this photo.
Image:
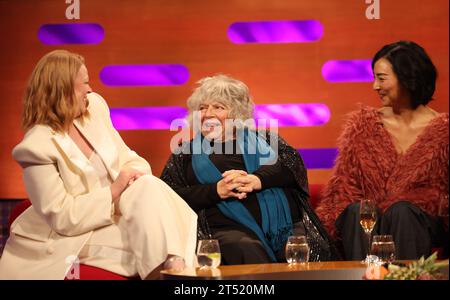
(276, 271)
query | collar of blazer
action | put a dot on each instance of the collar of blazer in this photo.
(97, 135)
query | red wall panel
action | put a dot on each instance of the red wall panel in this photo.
(193, 33)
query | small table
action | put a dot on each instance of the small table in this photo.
(330, 270)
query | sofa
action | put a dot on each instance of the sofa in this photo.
(94, 273)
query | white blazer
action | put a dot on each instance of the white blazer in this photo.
(68, 201)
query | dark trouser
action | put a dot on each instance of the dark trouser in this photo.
(414, 231)
(242, 246)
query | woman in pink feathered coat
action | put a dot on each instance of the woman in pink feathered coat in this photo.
(396, 155)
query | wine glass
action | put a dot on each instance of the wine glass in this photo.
(297, 249)
(368, 218)
(208, 254)
(383, 247)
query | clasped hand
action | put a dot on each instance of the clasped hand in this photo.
(123, 181)
(237, 183)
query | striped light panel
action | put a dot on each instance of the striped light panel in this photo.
(296, 31)
(358, 70)
(319, 158)
(74, 33)
(162, 117)
(139, 118)
(310, 114)
(135, 118)
(144, 75)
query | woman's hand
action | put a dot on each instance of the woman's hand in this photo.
(123, 181)
(226, 188)
(248, 183)
(237, 183)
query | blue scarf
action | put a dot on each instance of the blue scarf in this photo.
(275, 212)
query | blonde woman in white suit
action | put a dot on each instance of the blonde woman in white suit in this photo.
(94, 201)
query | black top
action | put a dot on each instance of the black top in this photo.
(204, 196)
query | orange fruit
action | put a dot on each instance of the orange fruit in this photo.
(375, 272)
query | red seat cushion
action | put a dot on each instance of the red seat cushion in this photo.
(315, 194)
(86, 272)
(94, 273)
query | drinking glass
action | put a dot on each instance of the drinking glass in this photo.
(208, 253)
(384, 248)
(297, 249)
(368, 218)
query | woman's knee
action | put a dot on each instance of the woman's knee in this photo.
(141, 193)
(147, 185)
(353, 208)
(401, 208)
(349, 213)
(238, 240)
(246, 249)
(348, 219)
(145, 180)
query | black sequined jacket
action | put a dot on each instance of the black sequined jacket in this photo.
(322, 248)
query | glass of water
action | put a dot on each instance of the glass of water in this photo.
(297, 249)
(208, 253)
(383, 247)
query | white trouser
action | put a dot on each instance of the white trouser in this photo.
(155, 222)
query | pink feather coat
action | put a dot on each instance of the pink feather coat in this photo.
(369, 166)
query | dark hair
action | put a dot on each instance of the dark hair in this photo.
(413, 68)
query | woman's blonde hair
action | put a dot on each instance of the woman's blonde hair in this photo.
(50, 97)
(234, 94)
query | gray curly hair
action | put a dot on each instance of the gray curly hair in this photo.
(234, 94)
